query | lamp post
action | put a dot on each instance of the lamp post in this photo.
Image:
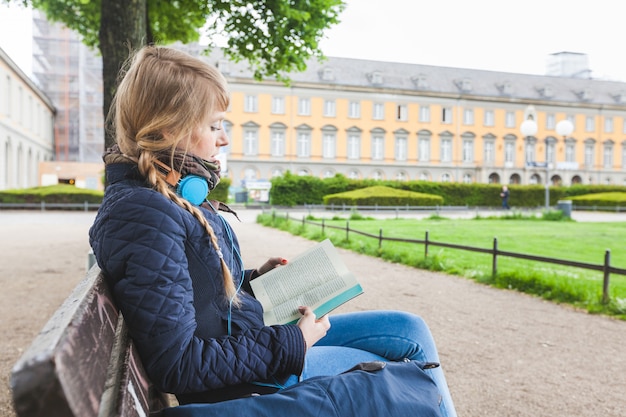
(529, 128)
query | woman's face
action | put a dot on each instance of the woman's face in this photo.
(209, 137)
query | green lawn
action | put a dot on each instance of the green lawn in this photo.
(568, 240)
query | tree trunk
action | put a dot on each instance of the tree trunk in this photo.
(123, 28)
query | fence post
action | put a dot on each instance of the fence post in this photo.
(380, 238)
(347, 230)
(86, 205)
(426, 245)
(323, 227)
(303, 217)
(605, 285)
(494, 265)
(43, 205)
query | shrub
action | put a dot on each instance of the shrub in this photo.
(382, 196)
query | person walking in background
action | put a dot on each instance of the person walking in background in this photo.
(505, 197)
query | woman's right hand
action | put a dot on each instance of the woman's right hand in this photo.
(312, 330)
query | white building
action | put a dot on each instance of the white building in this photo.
(26, 127)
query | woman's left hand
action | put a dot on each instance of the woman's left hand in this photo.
(270, 264)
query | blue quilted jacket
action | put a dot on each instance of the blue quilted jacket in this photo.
(167, 281)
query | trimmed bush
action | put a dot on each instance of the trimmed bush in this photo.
(382, 196)
(57, 194)
(610, 199)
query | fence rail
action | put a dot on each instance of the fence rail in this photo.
(605, 267)
(43, 206)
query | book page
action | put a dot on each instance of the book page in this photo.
(317, 278)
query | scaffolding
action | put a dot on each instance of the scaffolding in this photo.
(71, 76)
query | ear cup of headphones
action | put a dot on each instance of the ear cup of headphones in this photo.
(193, 189)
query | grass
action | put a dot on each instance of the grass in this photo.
(567, 240)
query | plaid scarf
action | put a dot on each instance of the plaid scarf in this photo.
(185, 163)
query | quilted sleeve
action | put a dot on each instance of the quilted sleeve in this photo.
(141, 246)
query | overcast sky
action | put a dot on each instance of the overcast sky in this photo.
(497, 35)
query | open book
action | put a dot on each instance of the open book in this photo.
(317, 278)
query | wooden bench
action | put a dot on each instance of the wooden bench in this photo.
(83, 362)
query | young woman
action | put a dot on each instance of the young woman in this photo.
(174, 263)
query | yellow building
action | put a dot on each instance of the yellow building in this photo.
(370, 119)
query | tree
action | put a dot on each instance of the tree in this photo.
(275, 36)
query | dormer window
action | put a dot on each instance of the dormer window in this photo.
(464, 85)
(224, 66)
(506, 88)
(546, 91)
(328, 74)
(584, 95)
(420, 81)
(376, 78)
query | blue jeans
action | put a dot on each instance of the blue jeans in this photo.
(375, 335)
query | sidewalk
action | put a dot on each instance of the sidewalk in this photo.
(504, 353)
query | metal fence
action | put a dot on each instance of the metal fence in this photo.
(605, 267)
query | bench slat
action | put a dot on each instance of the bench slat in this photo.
(83, 362)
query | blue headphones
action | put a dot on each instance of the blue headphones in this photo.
(192, 188)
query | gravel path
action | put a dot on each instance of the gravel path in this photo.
(504, 353)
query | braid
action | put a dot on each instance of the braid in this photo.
(147, 168)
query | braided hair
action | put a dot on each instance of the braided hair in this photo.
(162, 97)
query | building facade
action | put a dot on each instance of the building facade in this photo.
(26, 127)
(393, 121)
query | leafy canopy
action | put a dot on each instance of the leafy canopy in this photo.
(274, 36)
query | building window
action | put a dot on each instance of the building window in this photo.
(328, 145)
(353, 175)
(446, 178)
(378, 147)
(446, 149)
(550, 150)
(590, 124)
(424, 116)
(446, 115)
(623, 155)
(550, 121)
(329, 173)
(490, 119)
(303, 144)
(468, 117)
(624, 125)
(608, 125)
(378, 111)
(250, 142)
(251, 104)
(401, 148)
(509, 119)
(570, 152)
(402, 113)
(278, 105)
(530, 150)
(330, 109)
(354, 146)
(607, 155)
(467, 178)
(354, 110)
(424, 149)
(509, 154)
(304, 106)
(468, 150)
(489, 152)
(378, 175)
(278, 143)
(589, 156)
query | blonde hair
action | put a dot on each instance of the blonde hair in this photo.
(163, 96)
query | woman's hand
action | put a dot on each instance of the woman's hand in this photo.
(270, 264)
(312, 330)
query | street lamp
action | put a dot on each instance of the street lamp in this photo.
(529, 128)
